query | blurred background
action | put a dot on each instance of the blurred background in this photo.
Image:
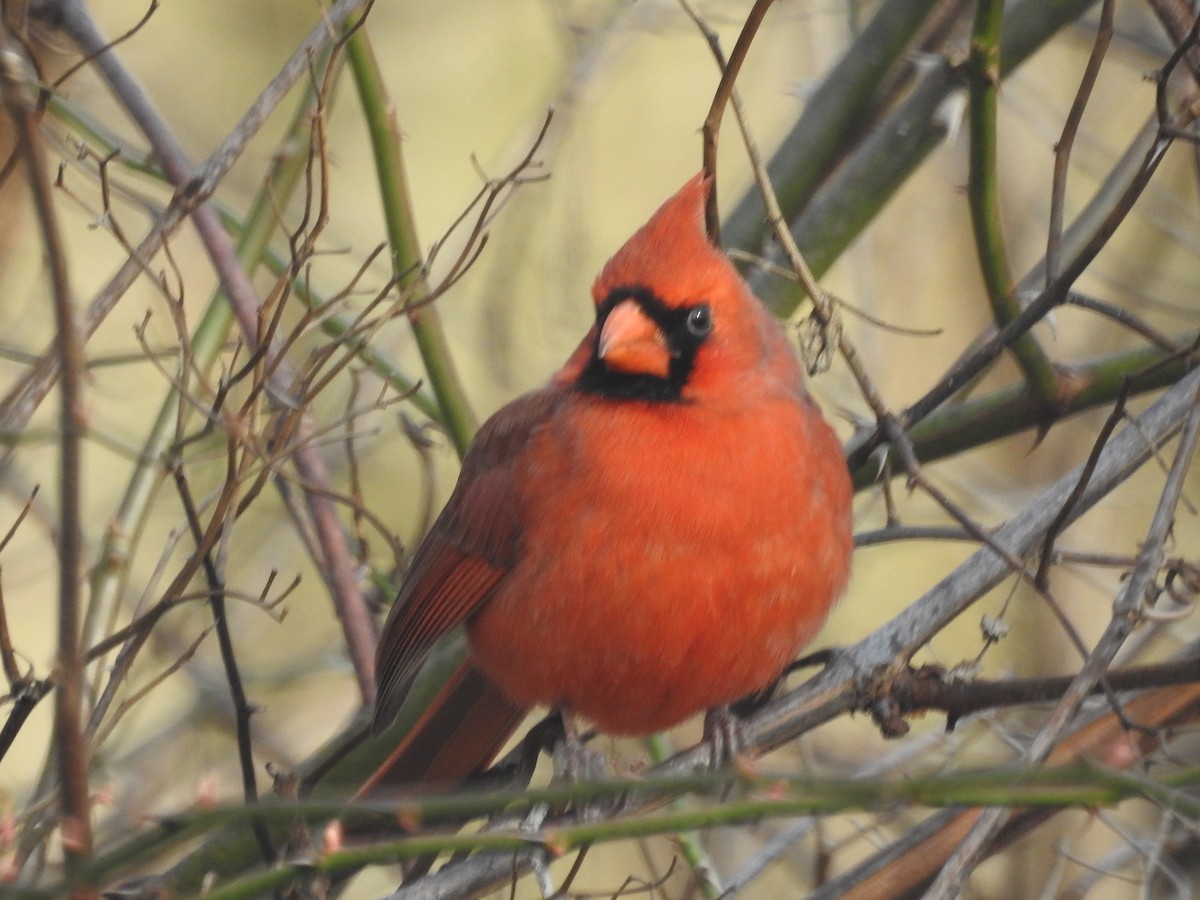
(630, 84)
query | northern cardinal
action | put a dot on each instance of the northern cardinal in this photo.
(655, 533)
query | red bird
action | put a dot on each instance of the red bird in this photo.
(656, 532)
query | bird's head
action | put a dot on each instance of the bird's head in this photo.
(674, 320)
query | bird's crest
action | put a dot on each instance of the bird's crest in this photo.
(670, 255)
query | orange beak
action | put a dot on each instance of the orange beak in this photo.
(631, 342)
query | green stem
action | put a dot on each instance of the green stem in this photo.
(983, 195)
(690, 844)
(407, 261)
(1015, 408)
(867, 175)
(752, 799)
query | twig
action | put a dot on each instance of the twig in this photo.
(1127, 319)
(8, 657)
(70, 750)
(142, 691)
(897, 532)
(1066, 141)
(716, 110)
(89, 57)
(242, 710)
(24, 691)
(1042, 577)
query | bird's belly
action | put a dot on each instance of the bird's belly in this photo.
(666, 567)
(637, 635)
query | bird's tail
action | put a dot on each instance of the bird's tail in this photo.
(461, 733)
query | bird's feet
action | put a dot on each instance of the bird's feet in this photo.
(577, 763)
(725, 734)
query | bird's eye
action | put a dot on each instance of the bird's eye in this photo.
(699, 320)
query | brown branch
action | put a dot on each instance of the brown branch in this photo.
(712, 122)
(904, 868)
(927, 689)
(70, 749)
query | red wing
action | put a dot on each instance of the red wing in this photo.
(470, 547)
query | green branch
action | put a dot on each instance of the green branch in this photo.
(983, 194)
(1015, 408)
(868, 174)
(833, 117)
(407, 260)
(755, 798)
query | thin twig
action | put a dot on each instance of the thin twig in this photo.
(1066, 141)
(712, 122)
(1127, 319)
(1042, 577)
(242, 710)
